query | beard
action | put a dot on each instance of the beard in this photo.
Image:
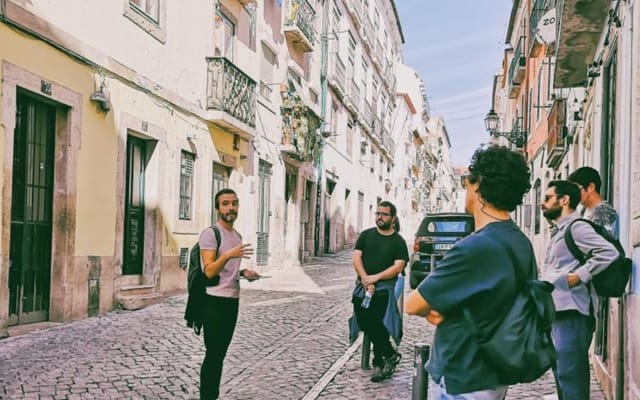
(552, 213)
(229, 217)
(383, 225)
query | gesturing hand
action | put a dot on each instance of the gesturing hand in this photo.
(241, 251)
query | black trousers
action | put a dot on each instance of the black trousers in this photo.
(220, 322)
(370, 322)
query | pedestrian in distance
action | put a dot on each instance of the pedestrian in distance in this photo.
(380, 254)
(572, 329)
(222, 299)
(596, 209)
(477, 275)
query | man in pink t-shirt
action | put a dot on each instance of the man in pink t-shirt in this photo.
(222, 299)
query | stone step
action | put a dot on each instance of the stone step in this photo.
(129, 290)
(138, 301)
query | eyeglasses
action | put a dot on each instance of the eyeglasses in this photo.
(468, 179)
(382, 214)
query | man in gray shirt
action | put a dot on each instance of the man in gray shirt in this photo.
(595, 208)
(572, 330)
(222, 299)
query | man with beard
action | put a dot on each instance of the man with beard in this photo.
(572, 329)
(222, 299)
(479, 275)
(380, 254)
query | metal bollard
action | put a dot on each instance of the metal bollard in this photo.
(366, 351)
(420, 376)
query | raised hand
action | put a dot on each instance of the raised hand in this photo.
(240, 251)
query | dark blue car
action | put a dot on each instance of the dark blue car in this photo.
(436, 235)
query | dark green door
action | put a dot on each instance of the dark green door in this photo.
(134, 207)
(31, 209)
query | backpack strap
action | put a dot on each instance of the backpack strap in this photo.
(216, 232)
(571, 244)
(519, 282)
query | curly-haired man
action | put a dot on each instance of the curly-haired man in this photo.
(477, 274)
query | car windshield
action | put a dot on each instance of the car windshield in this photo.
(448, 226)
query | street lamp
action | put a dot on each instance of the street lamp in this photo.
(517, 137)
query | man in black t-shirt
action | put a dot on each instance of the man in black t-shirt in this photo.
(379, 256)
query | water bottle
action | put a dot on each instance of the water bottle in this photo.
(367, 299)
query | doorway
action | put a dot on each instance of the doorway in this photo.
(134, 210)
(31, 211)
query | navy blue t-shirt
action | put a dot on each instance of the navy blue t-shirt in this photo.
(476, 273)
(379, 252)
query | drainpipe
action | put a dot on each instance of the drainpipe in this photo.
(324, 55)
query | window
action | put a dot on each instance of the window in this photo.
(220, 180)
(350, 125)
(186, 184)
(539, 99)
(351, 56)
(268, 65)
(224, 31)
(148, 7)
(149, 15)
(536, 208)
(334, 121)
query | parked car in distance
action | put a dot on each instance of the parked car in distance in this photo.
(436, 235)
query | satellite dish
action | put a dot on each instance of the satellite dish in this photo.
(546, 29)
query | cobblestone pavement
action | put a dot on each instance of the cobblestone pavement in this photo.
(288, 345)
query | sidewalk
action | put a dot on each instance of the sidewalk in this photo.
(291, 342)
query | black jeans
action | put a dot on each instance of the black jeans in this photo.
(220, 322)
(371, 323)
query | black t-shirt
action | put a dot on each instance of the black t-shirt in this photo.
(379, 252)
(476, 273)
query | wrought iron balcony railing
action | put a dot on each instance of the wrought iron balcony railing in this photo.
(368, 33)
(538, 9)
(517, 68)
(231, 90)
(367, 114)
(556, 140)
(338, 72)
(299, 25)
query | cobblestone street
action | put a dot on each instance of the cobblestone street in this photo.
(288, 345)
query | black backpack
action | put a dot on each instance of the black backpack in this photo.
(197, 283)
(520, 349)
(612, 281)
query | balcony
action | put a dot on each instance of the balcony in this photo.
(390, 78)
(300, 127)
(517, 69)
(387, 142)
(367, 117)
(353, 100)
(232, 94)
(537, 11)
(376, 129)
(378, 56)
(557, 138)
(337, 75)
(354, 7)
(369, 34)
(299, 25)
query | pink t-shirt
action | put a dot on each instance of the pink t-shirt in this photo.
(229, 285)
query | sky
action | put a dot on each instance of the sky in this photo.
(456, 46)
